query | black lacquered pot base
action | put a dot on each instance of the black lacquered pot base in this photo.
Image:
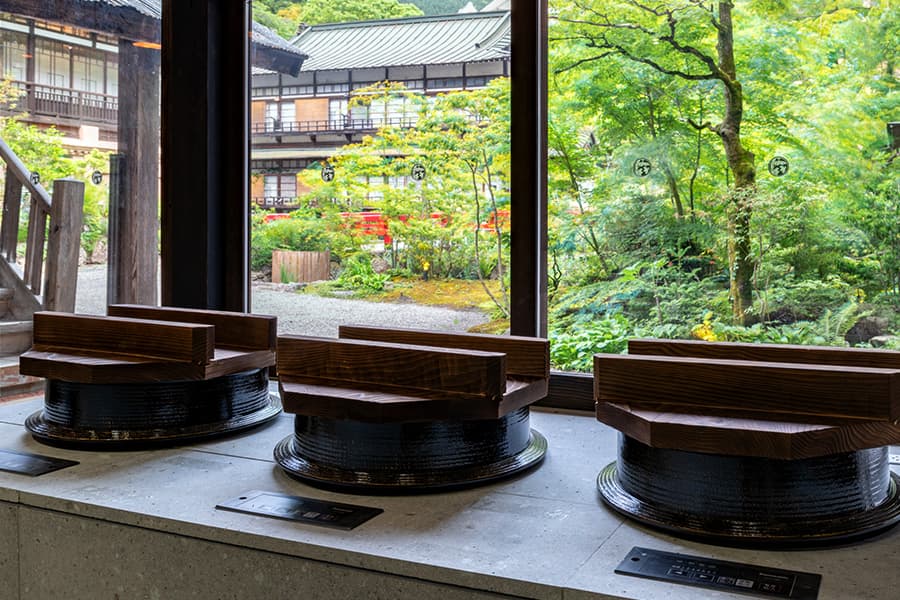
(126, 416)
(401, 458)
(751, 501)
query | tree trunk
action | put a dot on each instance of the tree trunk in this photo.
(741, 162)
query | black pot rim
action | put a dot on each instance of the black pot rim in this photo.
(394, 483)
(54, 434)
(811, 532)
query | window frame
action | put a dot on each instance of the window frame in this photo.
(528, 133)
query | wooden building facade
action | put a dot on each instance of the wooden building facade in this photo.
(299, 121)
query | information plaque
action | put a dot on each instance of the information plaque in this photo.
(25, 463)
(305, 510)
(720, 575)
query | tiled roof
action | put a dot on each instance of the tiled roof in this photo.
(151, 8)
(460, 38)
(262, 35)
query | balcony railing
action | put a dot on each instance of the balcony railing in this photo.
(340, 125)
(275, 201)
(58, 102)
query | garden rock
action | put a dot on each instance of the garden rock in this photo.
(865, 329)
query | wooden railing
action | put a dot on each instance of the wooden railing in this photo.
(339, 125)
(52, 101)
(59, 250)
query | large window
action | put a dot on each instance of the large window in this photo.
(720, 171)
(88, 71)
(52, 63)
(404, 186)
(13, 49)
(280, 116)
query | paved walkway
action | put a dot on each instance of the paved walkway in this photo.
(307, 314)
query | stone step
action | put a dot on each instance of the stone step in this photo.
(6, 295)
(14, 386)
(15, 337)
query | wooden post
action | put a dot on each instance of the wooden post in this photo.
(34, 247)
(9, 228)
(63, 244)
(528, 193)
(205, 108)
(133, 275)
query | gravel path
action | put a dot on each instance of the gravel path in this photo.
(306, 314)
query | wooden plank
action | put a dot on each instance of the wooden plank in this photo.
(119, 368)
(775, 390)
(63, 245)
(235, 330)
(825, 355)
(745, 437)
(77, 334)
(384, 407)
(290, 266)
(9, 225)
(525, 356)
(376, 407)
(34, 247)
(395, 368)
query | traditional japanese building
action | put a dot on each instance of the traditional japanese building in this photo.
(65, 59)
(299, 121)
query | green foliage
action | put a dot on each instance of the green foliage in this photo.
(96, 200)
(303, 231)
(819, 83)
(314, 12)
(357, 274)
(574, 350)
(445, 7)
(462, 140)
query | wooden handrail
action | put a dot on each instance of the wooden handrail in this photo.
(21, 172)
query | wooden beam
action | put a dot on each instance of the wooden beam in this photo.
(392, 368)
(745, 436)
(120, 368)
(84, 334)
(236, 331)
(823, 355)
(770, 390)
(525, 356)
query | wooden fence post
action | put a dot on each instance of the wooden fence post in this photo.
(66, 218)
(9, 228)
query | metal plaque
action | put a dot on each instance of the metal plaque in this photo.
(305, 510)
(24, 463)
(720, 575)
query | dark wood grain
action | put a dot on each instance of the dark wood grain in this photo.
(398, 368)
(118, 368)
(823, 355)
(73, 334)
(745, 437)
(234, 330)
(384, 407)
(776, 390)
(525, 356)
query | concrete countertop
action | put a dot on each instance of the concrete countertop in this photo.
(545, 534)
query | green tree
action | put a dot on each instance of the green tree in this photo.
(42, 151)
(692, 41)
(314, 12)
(449, 220)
